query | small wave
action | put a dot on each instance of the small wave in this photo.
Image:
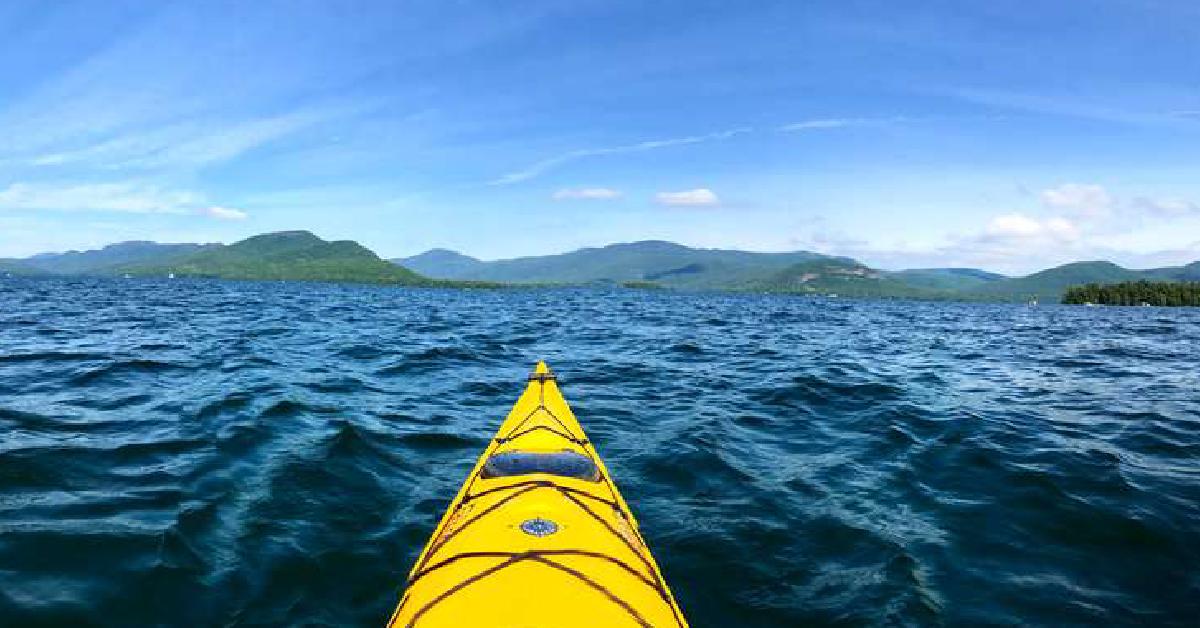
(342, 384)
(52, 356)
(284, 408)
(438, 441)
(126, 367)
(363, 352)
(809, 390)
(111, 402)
(231, 402)
(427, 360)
(686, 348)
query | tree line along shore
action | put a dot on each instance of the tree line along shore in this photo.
(1158, 293)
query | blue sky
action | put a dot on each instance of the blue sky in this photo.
(1004, 135)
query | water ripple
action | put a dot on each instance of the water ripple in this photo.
(207, 453)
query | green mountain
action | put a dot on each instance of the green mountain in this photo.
(300, 255)
(103, 261)
(442, 263)
(665, 263)
(842, 277)
(287, 255)
(1048, 285)
(17, 267)
(680, 267)
(946, 279)
(1191, 272)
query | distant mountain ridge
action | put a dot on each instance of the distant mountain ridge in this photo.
(443, 263)
(101, 261)
(947, 279)
(670, 264)
(18, 267)
(286, 255)
(680, 267)
(840, 277)
(302, 256)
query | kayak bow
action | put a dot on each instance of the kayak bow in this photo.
(537, 536)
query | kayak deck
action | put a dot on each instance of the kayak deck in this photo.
(538, 536)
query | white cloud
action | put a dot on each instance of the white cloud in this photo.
(553, 162)
(1011, 227)
(699, 197)
(1072, 222)
(222, 213)
(1094, 208)
(1082, 200)
(586, 194)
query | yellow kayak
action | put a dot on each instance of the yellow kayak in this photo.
(538, 536)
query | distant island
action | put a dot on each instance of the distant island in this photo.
(646, 265)
(1159, 293)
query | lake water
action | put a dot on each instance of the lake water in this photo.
(207, 453)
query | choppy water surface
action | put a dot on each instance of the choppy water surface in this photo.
(195, 453)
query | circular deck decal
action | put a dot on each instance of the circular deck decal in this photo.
(539, 527)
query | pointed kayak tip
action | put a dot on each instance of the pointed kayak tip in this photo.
(541, 368)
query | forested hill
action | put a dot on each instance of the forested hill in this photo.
(1160, 293)
(287, 255)
(104, 260)
(300, 255)
(665, 263)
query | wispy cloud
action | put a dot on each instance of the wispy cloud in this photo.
(188, 145)
(545, 165)
(125, 197)
(1166, 207)
(222, 213)
(699, 197)
(586, 194)
(836, 123)
(108, 197)
(1088, 106)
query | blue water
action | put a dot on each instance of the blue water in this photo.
(206, 453)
